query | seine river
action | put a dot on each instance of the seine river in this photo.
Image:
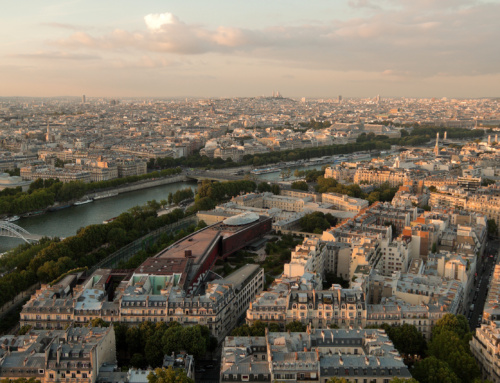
(66, 222)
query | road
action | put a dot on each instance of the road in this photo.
(484, 270)
(207, 371)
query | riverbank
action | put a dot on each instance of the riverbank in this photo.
(140, 185)
(66, 222)
(109, 193)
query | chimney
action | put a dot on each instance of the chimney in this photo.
(296, 356)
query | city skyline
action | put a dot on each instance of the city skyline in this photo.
(357, 48)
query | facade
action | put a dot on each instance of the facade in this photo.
(156, 292)
(131, 167)
(486, 203)
(63, 174)
(379, 177)
(270, 201)
(312, 356)
(315, 197)
(344, 202)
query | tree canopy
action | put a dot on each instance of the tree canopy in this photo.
(169, 375)
(317, 222)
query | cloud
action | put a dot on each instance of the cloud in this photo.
(448, 36)
(56, 56)
(155, 21)
(65, 26)
(363, 4)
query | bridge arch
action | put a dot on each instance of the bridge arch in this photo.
(8, 229)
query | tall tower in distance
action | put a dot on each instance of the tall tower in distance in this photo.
(436, 148)
(340, 99)
(83, 99)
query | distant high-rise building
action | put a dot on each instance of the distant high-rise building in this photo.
(303, 99)
(83, 99)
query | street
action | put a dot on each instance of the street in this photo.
(484, 269)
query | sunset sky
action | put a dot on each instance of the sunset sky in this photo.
(222, 48)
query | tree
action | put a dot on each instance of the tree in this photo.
(300, 185)
(434, 247)
(25, 329)
(317, 222)
(263, 187)
(169, 375)
(447, 346)
(433, 370)
(296, 326)
(97, 322)
(450, 344)
(407, 339)
(337, 380)
(454, 323)
(285, 173)
(138, 360)
(492, 228)
(275, 189)
(20, 380)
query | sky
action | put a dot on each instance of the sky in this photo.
(232, 48)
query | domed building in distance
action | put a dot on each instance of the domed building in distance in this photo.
(7, 181)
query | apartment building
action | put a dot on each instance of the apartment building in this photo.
(269, 201)
(131, 167)
(379, 177)
(46, 172)
(340, 173)
(155, 292)
(322, 308)
(313, 356)
(486, 203)
(75, 354)
(344, 202)
(397, 312)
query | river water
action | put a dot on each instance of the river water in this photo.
(66, 222)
